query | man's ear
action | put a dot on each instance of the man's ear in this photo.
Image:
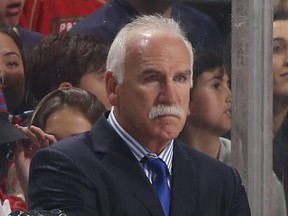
(65, 85)
(111, 85)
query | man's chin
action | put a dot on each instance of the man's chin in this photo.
(169, 132)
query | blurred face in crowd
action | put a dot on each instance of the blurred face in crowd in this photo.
(11, 72)
(210, 106)
(155, 76)
(280, 59)
(10, 11)
(66, 122)
(94, 82)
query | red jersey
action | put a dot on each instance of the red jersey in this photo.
(56, 16)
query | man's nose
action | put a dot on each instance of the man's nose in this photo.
(167, 93)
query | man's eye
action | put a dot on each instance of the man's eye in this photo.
(180, 79)
(151, 78)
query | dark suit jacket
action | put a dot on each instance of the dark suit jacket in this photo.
(95, 173)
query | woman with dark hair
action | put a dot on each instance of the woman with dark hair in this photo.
(12, 84)
(12, 71)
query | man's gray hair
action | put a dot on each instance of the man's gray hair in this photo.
(141, 24)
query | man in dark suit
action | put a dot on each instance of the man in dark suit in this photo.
(130, 164)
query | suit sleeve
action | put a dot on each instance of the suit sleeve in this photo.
(56, 182)
(239, 205)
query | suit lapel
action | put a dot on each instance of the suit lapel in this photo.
(184, 183)
(118, 159)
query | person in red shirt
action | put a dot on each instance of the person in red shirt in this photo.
(53, 17)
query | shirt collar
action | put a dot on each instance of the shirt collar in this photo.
(138, 150)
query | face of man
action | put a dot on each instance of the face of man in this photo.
(210, 104)
(280, 58)
(10, 11)
(11, 72)
(156, 73)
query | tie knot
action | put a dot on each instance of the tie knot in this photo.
(158, 166)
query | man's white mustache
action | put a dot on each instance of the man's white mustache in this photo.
(162, 109)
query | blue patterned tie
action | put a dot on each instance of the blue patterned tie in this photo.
(160, 183)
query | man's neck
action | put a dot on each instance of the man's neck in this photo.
(154, 144)
(157, 148)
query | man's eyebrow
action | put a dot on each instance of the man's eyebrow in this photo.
(12, 53)
(150, 71)
(155, 71)
(186, 72)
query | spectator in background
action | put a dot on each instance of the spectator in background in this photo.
(105, 22)
(280, 98)
(9, 14)
(12, 70)
(13, 78)
(66, 60)
(51, 17)
(210, 107)
(60, 114)
(12, 84)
